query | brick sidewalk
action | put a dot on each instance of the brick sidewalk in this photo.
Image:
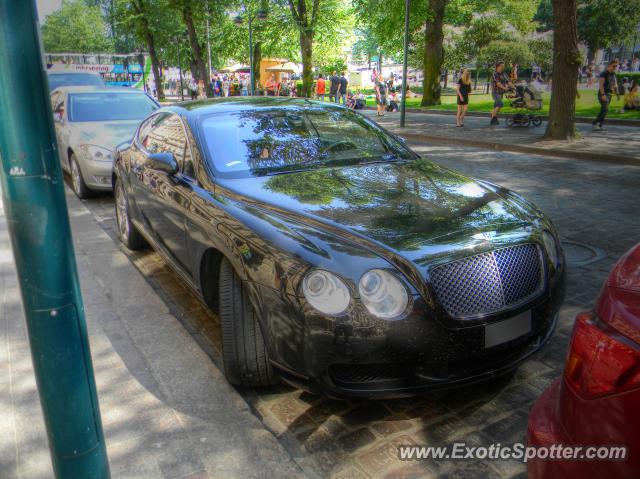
(617, 144)
(159, 420)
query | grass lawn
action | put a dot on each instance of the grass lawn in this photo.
(586, 106)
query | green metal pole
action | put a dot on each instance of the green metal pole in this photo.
(38, 222)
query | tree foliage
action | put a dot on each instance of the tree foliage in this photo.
(508, 51)
(604, 23)
(76, 27)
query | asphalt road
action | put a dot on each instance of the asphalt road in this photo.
(595, 209)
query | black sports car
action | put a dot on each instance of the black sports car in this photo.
(338, 259)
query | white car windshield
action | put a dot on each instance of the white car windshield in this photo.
(109, 106)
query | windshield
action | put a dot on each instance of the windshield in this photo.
(266, 141)
(73, 79)
(109, 106)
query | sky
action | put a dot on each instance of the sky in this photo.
(45, 7)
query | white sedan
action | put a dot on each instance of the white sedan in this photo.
(90, 122)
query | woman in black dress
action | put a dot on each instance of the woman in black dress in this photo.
(464, 88)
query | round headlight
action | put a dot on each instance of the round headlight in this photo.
(551, 247)
(326, 292)
(383, 294)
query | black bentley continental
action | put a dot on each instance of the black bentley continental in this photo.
(338, 259)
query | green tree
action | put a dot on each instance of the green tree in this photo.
(542, 51)
(189, 10)
(566, 60)
(508, 51)
(76, 27)
(151, 22)
(305, 15)
(604, 23)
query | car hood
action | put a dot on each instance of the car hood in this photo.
(105, 134)
(404, 206)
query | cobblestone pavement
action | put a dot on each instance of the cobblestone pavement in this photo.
(592, 204)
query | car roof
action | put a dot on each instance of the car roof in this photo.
(198, 108)
(96, 89)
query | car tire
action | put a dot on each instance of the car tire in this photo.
(77, 182)
(244, 353)
(127, 232)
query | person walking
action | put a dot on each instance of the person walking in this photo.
(342, 89)
(381, 95)
(607, 85)
(333, 87)
(499, 85)
(463, 89)
(320, 87)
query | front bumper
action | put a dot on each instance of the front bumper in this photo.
(384, 359)
(97, 174)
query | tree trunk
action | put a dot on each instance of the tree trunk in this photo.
(140, 9)
(306, 50)
(433, 53)
(196, 51)
(566, 60)
(257, 58)
(155, 63)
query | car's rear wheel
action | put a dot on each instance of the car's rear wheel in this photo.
(246, 362)
(77, 182)
(127, 232)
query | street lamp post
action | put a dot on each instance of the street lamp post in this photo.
(403, 100)
(180, 71)
(260, 15)
(38, 222)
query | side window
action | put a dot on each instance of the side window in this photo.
(145, 129)
(187, 166)
(164, 132)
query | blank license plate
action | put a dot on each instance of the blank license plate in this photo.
(507, 330)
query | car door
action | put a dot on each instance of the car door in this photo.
(163, 199)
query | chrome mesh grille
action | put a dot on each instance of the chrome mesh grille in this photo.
(488, 282)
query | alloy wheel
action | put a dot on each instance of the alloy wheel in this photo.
(75, 177)
(122, 216)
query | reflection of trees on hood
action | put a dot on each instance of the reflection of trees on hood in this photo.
(320, 187)
(399, 205)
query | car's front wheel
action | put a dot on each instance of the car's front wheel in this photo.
(79, 186)
(246, 362)
(127, 232)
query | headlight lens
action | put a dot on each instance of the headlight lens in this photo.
(383, 294)
(97, 153)
(551, 246)
(326, 292)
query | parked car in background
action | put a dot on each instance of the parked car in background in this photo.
(597, 400)
(339, 260)
(90, 122)
(73, 78)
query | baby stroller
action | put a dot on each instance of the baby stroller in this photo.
(525, 99)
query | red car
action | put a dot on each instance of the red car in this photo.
(597, 399)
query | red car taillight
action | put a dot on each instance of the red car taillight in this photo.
(598, 364)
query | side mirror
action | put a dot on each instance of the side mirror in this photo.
(164, 162)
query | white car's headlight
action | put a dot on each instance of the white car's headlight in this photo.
(551, 246)
(97, 153)
(326, 292)
(383, 294)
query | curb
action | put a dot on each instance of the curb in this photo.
(477, 114)
(579, 155)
